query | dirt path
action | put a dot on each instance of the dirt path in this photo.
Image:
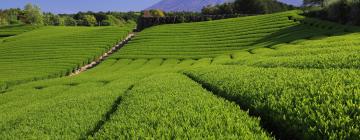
(104, 56)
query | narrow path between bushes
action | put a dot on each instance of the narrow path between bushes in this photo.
(104, 56)
(107, 116)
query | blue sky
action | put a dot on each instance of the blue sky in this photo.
(294, 2)
(73, 6)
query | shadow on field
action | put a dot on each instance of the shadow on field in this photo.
(273, 127)
(307, 29)
(106, 117)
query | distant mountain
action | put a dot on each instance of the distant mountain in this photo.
(196, 5)
(185, 5)
(292, 2)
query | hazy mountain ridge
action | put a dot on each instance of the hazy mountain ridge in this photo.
(185, 5)
(194, 5)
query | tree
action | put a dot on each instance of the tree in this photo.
(111, 21)
(12, 15)
(249, 7)
(210, 10)
(33, 15)
(69, 21)
(321, 3)
(339, 11)
(59, 21)
(157, 13)
(354, 13)
(3, 21)
(225, 9)
(89, 20)
(48, 19)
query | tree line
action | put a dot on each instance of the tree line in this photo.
(238, 8)
(247, 7)
(32, 14)
(341, 11)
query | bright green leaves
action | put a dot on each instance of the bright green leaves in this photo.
(172, 106)
(293, 103)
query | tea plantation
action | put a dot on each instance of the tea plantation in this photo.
(52, 51)
(275, 76)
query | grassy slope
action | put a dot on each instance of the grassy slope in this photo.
(77, 107)
(293, 103)
(210, 39)
(53, 51)
(153, 108)
(12, 30)
(91, 104)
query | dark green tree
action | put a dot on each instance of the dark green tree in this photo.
(33, 15)
(69, 21)
(89, 20)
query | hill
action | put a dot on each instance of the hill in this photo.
(260, 77)
(51, 51)
(12, 30)
(210, 39)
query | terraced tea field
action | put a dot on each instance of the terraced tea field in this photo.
(276, 76)
(53, 51)
(210, 39)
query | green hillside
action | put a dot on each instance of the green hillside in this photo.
(275, 76)
(53, 51)
(210, 39)
(11, 30)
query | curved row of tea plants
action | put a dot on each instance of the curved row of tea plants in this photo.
(90, 105)
(160, 107)
(323, 53)
(213, 38)
(293, 103)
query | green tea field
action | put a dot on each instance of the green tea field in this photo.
(272, 76)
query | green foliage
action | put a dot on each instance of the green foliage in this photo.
(69, 21)
(51, 19)
(157, 13)
(112, 21)
(9, 16)
(314, 2)
(89, 20)
(33, 15)
(12, 30)
(301, 104)
(297, 75)
(163, 108)
(247, 7)
(341, 11)
(53, 51)
(210, 39)
(3, 21)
